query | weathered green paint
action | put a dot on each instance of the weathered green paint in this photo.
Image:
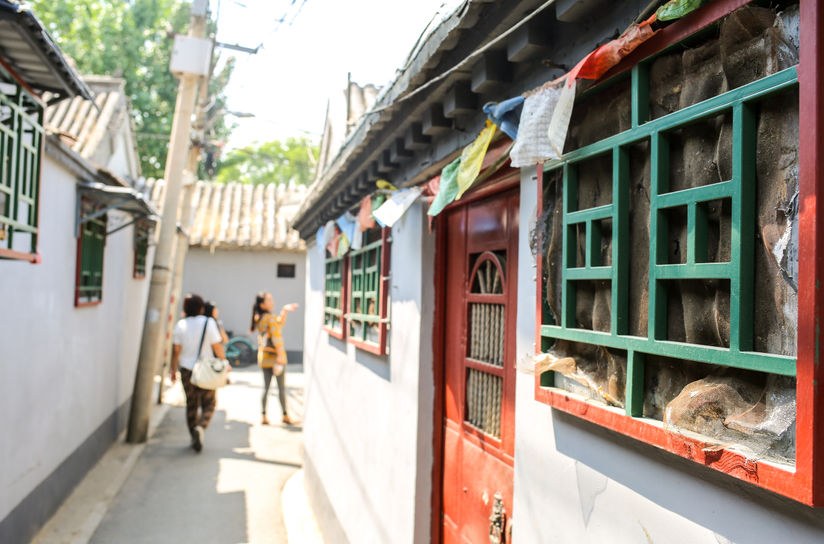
(333, 283)
(364, 287)
(740, 190)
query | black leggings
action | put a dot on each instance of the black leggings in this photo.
(267, 379)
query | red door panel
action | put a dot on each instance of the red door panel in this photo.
(479, 365)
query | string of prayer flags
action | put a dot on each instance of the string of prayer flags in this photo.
(675, 9)
(532, 146)
(394, 208)
(365, 220)
(473, 157)
(505, 115)
(447, 188)
(343, 244)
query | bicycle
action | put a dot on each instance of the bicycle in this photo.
(240, 352)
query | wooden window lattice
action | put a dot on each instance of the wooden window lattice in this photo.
(739, 271)
(141, 249)
(92, 241)
(21, 139)
(333, 294)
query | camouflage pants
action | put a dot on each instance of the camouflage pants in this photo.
(204, 399)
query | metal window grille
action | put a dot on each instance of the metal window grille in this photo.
(21, 142)
(367, 304)
(141, 249)
(89, 289)
(333, 294)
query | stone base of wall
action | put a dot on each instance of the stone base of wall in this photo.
(23, 522)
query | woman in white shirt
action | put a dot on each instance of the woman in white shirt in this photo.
(193, 331)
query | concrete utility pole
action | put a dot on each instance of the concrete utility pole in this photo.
(158, 305)
(185, 223)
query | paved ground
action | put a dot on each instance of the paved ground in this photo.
(229, 493)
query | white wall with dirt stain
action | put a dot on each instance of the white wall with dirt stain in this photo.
(232, 278)
(67, 371)
(368, 419)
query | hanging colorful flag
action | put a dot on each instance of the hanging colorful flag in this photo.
(343, 245)
(532, 146)
(365, 221)
(559, 124)
(383, 184)
(334, 240)
(378, 201)
(394, 208)
(505, 114)
(447, 188)
(472, 159)
(319, 238)
(675, 9)
(597, 63)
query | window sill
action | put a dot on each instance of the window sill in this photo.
(333, 332)
(376, 349)
(782, 479)
(87, 304)
(33, 258)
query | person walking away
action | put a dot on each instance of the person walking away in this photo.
(271, 353)
(210, 309)
(193, 331)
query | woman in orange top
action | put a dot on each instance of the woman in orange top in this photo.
(271, 353)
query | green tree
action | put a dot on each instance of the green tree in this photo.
(131, 39)
(270, 162)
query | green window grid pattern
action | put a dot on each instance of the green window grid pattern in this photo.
(90, 275)
(21, 141)
(364, 292)
(739, 271)
(333, 293)
(141, 249)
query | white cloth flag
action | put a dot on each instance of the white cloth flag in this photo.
(532, 146)
(394, 208)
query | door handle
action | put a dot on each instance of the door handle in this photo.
(497, 520)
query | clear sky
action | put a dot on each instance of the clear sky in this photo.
(287, 84)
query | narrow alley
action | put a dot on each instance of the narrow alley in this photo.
(230, 492)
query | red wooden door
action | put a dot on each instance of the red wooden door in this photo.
(479, 358)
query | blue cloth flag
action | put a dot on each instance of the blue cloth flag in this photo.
(346, 224)
(505, 114)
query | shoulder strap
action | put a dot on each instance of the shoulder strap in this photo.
(202, 336)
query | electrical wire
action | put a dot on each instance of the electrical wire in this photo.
(468, 59)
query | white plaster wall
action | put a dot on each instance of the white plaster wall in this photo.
(577, 483)
(232, 278)
(66, 369)
(368, 419)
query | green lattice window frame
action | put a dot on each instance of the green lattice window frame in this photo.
(334, 296)
(21, 146)
(740, 104)
(90, 248)
(368, 313)
(141, 249)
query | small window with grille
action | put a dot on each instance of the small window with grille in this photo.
(367, 317)
(286, 270)
(90, 246)
(334, 295)
(21, 145)
(141, 249)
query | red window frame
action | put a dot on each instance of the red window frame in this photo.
(379, 348)
(804, 482)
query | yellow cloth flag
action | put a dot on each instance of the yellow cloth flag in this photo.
(472, 158)
(383, 184)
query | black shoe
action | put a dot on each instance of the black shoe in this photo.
(197, 438)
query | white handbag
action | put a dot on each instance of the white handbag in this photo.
(209, 372)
